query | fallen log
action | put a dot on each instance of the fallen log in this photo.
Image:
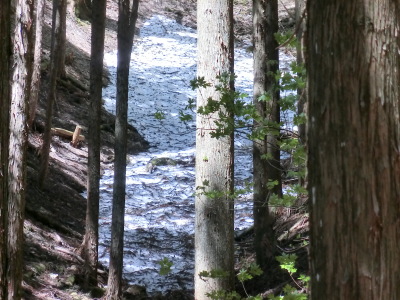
(66, 133)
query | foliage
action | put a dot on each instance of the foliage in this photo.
(244, 274)
(287, 262)
(165, 266)
(233, 113)
(216, 194)
(216, 273)
(159, 115)
(286, 38)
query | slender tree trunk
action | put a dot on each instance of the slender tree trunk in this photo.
(126, 29)
(54, 69)
(214, 157)
(21, 76)
(266, 63)
(5, 50)
(353, 69)
(37, 55)
(302, 93)
(61, 37)
(91, 238)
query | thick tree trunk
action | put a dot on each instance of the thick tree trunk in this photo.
(354, 140)
(91, 238)
(21, 76)
(126, 28)
(214, 157)
(266, 63)
(5, 50)
(37, 55)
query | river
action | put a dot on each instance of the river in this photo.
(159, 213)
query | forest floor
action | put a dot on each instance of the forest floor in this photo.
(55, 214)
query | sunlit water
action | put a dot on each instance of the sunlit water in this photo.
(159, 213)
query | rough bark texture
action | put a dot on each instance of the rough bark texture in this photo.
(266, 63)
(37, 26)
(5, 50)
(91, 238)
(354, 141)
(214, 157)
(21, 41)
(126, 27)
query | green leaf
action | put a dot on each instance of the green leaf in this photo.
(271, 184)
(199, 82)
(215, 273)
(159, 115)
(287, 262)
(165, 266)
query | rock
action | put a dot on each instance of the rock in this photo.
(160, 161)
(163, 161)
(135, 292)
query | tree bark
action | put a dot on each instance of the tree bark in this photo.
(91, 238)
(37, 55)
(61, 37)
(354, 166)
(54, 72)
(20, 78)
(5, 50)
(214, 157)
(266, 64)
(301, 93)
(126, 28)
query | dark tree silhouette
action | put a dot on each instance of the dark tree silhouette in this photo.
(126, 28)
(266, 64)
(91, 239)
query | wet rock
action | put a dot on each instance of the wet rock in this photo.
(164, 161)
(160, 161)
(135, 292)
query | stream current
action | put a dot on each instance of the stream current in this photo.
(159, 212)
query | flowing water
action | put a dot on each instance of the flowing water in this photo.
(159, 213)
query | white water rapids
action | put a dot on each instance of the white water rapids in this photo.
(159, 213)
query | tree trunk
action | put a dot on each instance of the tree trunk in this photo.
(214, 157)
(354, 167)
(91, 238)
(266, 64)
(37, 55)
(301, 93)
(21, 75)
(54, 69)
(126, 29)
(61, 37)
(5, 50)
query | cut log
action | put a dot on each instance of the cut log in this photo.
(66, 133)
(76, 135)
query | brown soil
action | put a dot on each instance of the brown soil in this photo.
(55, 215)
